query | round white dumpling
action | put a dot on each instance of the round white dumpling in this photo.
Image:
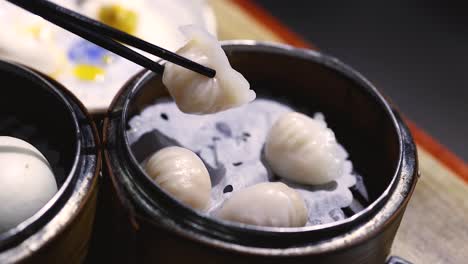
(266, 204)
(304, 150)
(198, 94)
(181, 173)
(26, 181)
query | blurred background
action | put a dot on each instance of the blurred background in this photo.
(416, 52)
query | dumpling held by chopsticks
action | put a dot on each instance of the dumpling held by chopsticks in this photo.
(198, 94)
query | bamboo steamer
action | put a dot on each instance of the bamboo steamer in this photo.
(41, 111)
(149, 226)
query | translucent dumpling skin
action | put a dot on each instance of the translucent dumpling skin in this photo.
(304, 150)
(266, 204)
(26, 181)
(197, 94)
(181, 173)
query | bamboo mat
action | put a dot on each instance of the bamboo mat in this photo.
(435, 226)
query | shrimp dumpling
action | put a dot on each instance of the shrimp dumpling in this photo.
(182, 174)
(266, 204)
(198, 94)
(304, 150)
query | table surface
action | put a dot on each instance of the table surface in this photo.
(435, 226)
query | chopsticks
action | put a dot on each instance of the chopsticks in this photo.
(108, 37)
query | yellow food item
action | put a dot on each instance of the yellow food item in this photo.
(36, 31)
(119, 17)
(87, 72)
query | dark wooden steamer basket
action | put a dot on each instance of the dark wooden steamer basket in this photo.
(41, 111)
(161, 230)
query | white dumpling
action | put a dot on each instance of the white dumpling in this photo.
(26, 181)
(181, 173)
(266, 204)
(304, 150)
(198, 94)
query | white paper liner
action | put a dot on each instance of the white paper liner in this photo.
(230, 143)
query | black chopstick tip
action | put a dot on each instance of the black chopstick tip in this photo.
(211, 73)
